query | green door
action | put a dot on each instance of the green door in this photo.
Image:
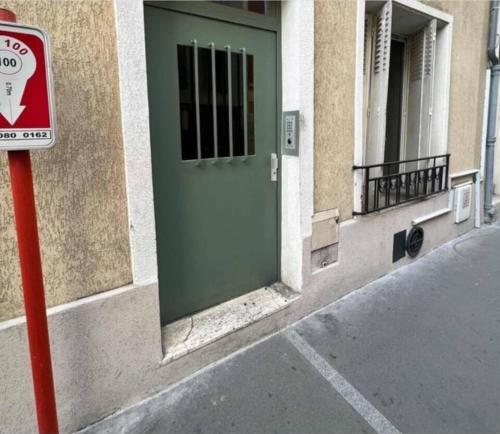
(213, 134)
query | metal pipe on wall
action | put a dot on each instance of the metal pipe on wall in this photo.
(489, 209)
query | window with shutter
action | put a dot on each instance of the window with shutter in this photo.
(406, 77)
(394, 24)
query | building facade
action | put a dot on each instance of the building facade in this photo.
(223, 169)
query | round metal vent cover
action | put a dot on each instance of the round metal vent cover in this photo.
(414, 241)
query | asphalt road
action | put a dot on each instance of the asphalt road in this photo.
(417, 351)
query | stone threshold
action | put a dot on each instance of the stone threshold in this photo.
(196, 331)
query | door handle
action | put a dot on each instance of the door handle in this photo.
(274, 167)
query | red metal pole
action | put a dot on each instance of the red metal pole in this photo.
(32, 280)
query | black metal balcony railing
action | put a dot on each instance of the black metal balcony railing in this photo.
(389, 184)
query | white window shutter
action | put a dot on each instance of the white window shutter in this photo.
(420, 94)
(367, 61)
(428, 89)
(375, 134)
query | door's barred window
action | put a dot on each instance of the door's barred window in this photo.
(216, 97)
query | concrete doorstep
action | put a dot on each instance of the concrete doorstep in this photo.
(415, 351)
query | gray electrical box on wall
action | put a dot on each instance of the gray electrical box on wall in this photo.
(290, 133)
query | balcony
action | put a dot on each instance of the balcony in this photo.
(387, 185)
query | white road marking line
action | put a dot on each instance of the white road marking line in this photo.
(364, 408)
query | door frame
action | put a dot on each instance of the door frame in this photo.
(295, 36)
(207, 290)
(227, 14)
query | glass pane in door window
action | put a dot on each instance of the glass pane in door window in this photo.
(222, 103)
(187, 103)
(250, 106)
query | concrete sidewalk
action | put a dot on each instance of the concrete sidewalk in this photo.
(416, 351)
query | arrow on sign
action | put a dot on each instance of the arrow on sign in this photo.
(10, 104)
(17, 65)
(27, 118)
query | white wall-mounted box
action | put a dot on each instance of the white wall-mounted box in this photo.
(463, 199)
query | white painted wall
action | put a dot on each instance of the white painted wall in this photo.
(297, 177)
(136, 143)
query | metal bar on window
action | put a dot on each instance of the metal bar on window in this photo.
(387, 191)
(367, 187)
(399, 162)
(214, 99)
(197, 100)
(230, 100)
(390, 189)
(402, 173)
(434, 175)
(391, 206)
(447, 171)
(398, 188)
(245, 96)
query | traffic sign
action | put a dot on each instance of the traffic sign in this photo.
(26, 96)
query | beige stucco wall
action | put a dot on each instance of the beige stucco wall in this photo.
(335, 51)
(334, 63)
(80, 188)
